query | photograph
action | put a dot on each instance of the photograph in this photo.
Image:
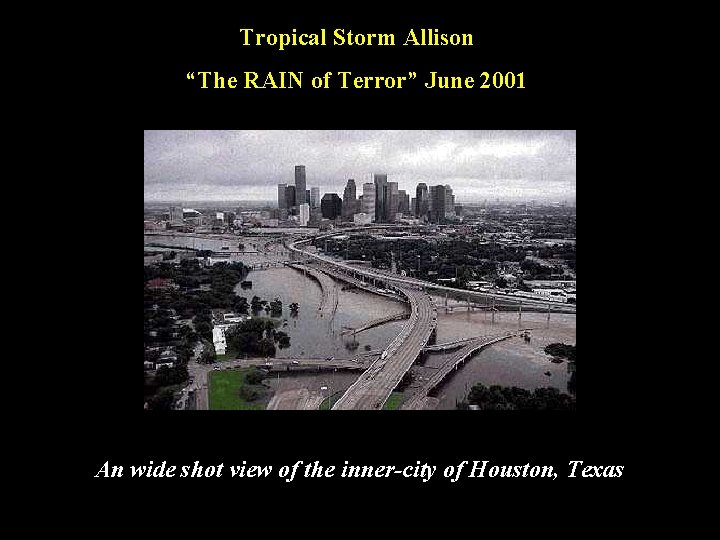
(360, 270)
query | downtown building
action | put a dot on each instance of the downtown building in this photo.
(422, 201)
(436, 206)
(331, 206)
(368, 200)
(380, 181)
(300, 187)
(349, 202)
(315, 197)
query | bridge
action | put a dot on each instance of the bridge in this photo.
(303, 364)
(418, 397)
(374, 386)
(266, 265)
(376, 275)
(448, 346)
(373, 324)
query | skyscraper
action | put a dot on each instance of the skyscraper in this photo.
(300, 184)
(331, 206)
(421, 200)
(437, 204)
(403, 202)
(368, 200)
(282, 197)
(380, 181)
(290, 197)
(392, 201)
(349, 200)
(315, 197)
(449, 202)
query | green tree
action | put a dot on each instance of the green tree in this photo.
(255, 376)
(208, 355)
(163, 400)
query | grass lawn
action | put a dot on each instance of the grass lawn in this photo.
(224, 387)
(393, 402)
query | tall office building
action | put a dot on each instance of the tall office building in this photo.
(300, 184)
(421, 200)
(380, 181)
(315, 197)
(349, 203)
(413, 206)
(368, 200)
(437, 204)
(331, 206)
(449, 202)
(304, 214)
(282, 197)
(403, 202)
(392, 201)
(290, 197)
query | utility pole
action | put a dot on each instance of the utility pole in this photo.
(519, 314)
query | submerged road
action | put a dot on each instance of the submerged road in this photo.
(330, 292)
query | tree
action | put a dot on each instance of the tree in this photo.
(256, 303)
(254, 376)
(266, 347)
(163, 400)
(208, 355)
(166, 376)
(248, 393)
(283, 339)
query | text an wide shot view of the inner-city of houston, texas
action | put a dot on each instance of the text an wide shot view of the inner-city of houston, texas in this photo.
(377, 298)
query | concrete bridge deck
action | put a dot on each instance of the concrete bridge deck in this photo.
(418, 396)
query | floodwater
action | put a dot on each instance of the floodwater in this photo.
(512, 362)
(273, 253)
(314, 334)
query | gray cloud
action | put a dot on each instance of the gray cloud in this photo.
(248, 165)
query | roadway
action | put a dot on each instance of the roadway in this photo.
(374, 386)
(330, 291)
(395, 279)
(417, 398)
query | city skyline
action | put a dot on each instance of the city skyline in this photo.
(248, 165)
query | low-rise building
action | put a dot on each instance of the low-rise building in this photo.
(219, 340)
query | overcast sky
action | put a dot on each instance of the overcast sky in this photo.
(248, 165)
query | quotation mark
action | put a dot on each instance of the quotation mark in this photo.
(412, 74)
(190, 75)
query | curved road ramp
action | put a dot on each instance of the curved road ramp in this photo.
(374, 386)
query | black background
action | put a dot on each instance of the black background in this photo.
(150, 91)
